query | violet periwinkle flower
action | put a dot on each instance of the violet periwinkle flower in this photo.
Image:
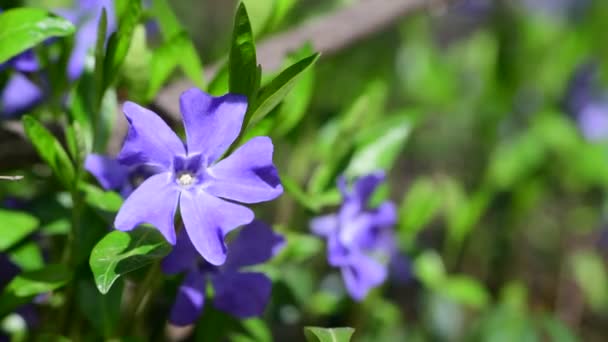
(240, 293)
(20, 94)
(360, 239)
(586, 103)
(114, 176)
(205, 187)
(85, 15)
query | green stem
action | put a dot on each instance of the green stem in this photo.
(141, 298)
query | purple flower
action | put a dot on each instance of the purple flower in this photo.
(85, 16)
(114, 176)
(240, 293)
(360, 240)
(585, 102)
(18, 96)
(205, 187)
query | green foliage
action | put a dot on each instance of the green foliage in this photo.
(50, 150)
(24, 28)
(317, 334)
(14, 227)
(32, 283)
(244, 74)
(119, 253)
(120, 41)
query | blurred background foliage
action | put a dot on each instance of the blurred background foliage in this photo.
(502, 195)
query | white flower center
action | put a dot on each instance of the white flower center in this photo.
(186, 179)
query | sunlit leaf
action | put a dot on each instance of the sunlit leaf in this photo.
(14, 226)
(119, 253)
(317, 334)
(23, 28)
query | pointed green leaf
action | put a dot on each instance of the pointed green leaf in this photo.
(119, 253)
(31, 283)
(273, 93)
(23, 28)
(167, 21)
(242, 64)
(120, 41)
(418, 208)
(317, 334)
(50, 150)
(14, 226)
(380, 145)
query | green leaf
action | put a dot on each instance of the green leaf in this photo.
(50, 150)
(244, 75)
(120, 41)
(31, 283)
(296, 102)
(100, 48)
(177, 51)
(465, 290)
(590, 275)
(23, 28)
(167, 21)
(27, 256)
(429, 269)
(119, 253)
(273, 93)
(299, 248)
(381, 147)
(420, 205)
(14, 226)
(97, 198)
(317, 334)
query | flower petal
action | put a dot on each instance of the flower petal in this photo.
(324, 225)
(183, 256)
(190, 300)
(365, 186)
(247, 175)
(255, 244)
(84, 43)
(18, 96)
(108, 171)
(212, 123)
(153, 202)
(241, 294)
(149, 140)
(208, 219)
(362, 275)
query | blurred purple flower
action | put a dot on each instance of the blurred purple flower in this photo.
(193, 176)
(360, 240)
(85, 15)
(114, 176)
(585, 102)
(239, 293)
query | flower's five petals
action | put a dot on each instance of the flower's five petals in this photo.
(243, 294)
(247, 175)
(208, 219)
(149, 139)
(212, 123)
(190, 300)
(153, 202)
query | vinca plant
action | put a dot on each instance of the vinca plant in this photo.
(276, 170)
